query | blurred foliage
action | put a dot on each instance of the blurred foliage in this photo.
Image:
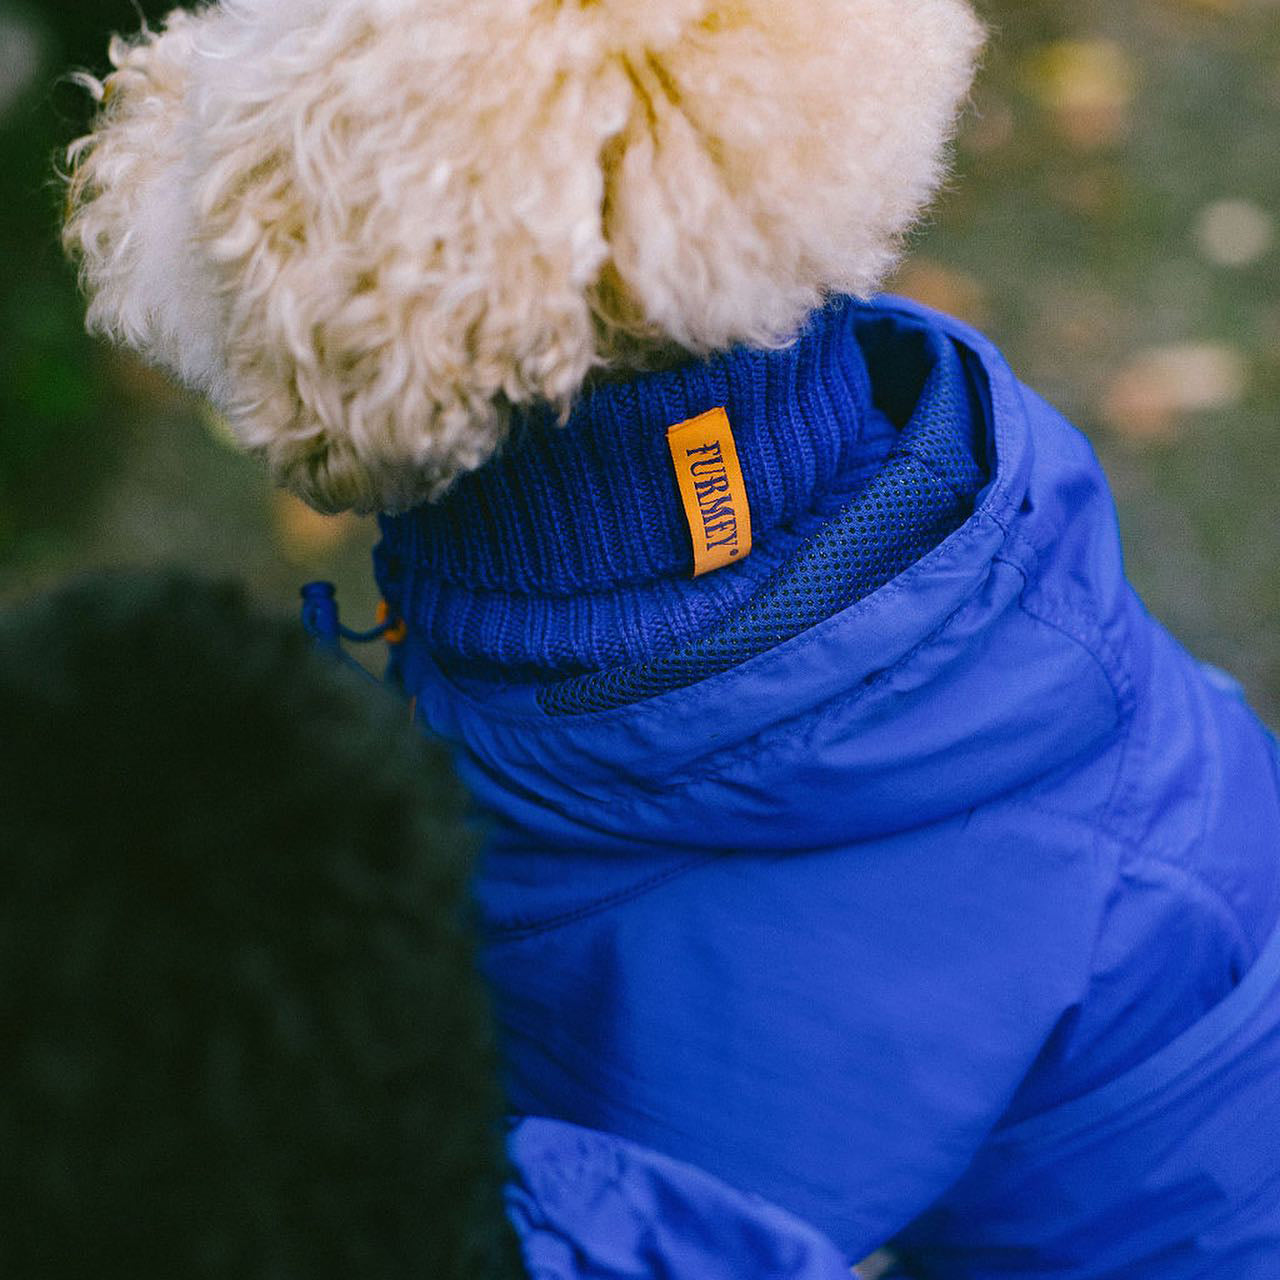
(101, 461)
(1112, 222)
(54, 433)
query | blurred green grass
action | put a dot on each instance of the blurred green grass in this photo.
(1112, 222)
(102, 462)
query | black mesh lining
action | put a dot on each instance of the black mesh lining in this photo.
(924, 491)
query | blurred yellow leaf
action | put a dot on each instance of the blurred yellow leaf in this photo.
(1147, 399)
(305, 535)
(944, 289)
(1087, 86)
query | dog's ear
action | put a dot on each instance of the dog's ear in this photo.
(416, 214)
(129, 222)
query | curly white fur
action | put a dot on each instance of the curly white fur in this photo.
(368, 227)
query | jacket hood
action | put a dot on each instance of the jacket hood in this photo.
(588, 1206)
(884, 716)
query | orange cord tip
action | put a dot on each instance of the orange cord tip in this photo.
(395, 634)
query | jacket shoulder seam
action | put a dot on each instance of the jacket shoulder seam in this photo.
(1078, 622)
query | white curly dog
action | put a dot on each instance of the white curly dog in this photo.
(366, 228)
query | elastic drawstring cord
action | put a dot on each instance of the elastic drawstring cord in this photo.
(321, 622)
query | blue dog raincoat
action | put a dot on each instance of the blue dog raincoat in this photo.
(906, 873)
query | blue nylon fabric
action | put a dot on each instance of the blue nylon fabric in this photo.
(588, 1206)
(1202, 1199)
(837, 923)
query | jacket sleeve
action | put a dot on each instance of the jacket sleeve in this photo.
(590, 1206)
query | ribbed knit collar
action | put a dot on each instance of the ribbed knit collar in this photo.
(571, 550)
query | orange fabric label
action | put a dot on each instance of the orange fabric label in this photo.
(712, 489)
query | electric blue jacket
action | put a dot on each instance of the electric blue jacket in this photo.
(589, 1206)
(946, 916)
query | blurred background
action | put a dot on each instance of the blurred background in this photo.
(1113, 222)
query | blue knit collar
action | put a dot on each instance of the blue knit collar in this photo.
(921, 494)
(571, 551)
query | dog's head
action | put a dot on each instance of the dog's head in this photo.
(368, 228)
